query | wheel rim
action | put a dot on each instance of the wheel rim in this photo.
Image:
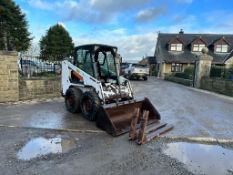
(87, 106)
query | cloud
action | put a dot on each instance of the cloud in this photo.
(219, 21)
(39, 30)
(90, 11)
(24, 11)
(150, 14)
(40, 4)
(131, 47)
(189, 23)
(117, 5)
(184, 1)
(62, 24)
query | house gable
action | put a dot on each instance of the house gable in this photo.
(199, 40)
(221, 46)
(175, 44)
(198, 44)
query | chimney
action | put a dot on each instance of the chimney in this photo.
(181, 31)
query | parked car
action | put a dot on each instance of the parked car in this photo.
(134, 71)
(37, 66)
(27, 67)
(123, 67)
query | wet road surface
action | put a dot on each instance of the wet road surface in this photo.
(193, 113)
(41, 146)
(201, 158)
(50, 115)
(27, 150)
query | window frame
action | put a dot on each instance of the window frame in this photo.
(199, 47)
(85, 60)
(175, 46)
(220, 46)
(176, 67)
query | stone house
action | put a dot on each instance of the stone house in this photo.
(176, 51)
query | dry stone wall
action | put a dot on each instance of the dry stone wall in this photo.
(41, 88)
(9, 78)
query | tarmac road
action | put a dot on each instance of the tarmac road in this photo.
(84, 149)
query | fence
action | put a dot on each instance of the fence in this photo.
(34, 66)
(219, 71)
(218, 85)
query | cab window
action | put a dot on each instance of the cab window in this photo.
(84, 61)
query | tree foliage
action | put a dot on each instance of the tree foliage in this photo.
(56, 44)
(14, 33)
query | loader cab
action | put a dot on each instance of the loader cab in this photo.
(98, 61)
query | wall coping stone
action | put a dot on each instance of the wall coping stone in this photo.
(8, 53)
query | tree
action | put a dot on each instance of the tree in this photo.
(56, 44)
(14, 33)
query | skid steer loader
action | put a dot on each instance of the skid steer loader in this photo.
(92, 85)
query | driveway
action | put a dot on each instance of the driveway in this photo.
(194, 113)
(41, 137)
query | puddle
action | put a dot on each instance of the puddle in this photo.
(202, 159)
(42, 146)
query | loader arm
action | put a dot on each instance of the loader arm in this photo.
(85, 80)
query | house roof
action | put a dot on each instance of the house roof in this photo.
(151, 59)
(162, 52)
(148, 60)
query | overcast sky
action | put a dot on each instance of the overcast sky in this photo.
(131, 25)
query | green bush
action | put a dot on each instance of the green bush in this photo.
(216, 71)
(188, 71)
(187, 74)
(183, 81)
(181, 75)
(221, 72)
(155, 73)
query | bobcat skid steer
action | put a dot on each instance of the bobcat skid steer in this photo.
(92, 85)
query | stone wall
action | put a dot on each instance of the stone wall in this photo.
(9, 87)
(202, 67)
(39, 88)
(218, 85)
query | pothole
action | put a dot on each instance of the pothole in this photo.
(201, 158)
(41, 146)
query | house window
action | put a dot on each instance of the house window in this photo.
(176, 47)
(177, 67)
(198, 47)
(221, 48)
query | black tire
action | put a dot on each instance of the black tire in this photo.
(73, 100)
(90, 104)
(145, 78)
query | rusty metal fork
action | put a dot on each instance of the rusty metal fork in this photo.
(142, 131)
(133, 126)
